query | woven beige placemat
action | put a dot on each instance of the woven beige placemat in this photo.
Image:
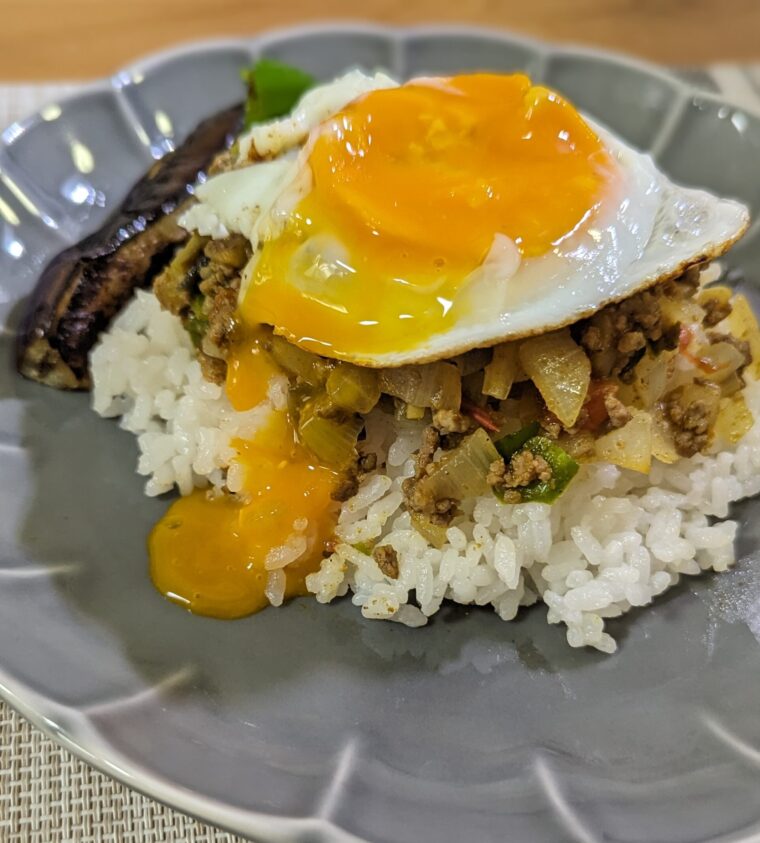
(49, 796)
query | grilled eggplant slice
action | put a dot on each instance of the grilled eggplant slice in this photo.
(84, 287)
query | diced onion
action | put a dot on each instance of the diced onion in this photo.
(462, 472)
(436, 385)
(560, 370)
(500, 372)
(629, 446)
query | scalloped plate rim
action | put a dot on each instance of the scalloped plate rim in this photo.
(75, 736)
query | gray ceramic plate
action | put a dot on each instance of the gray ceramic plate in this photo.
(309, 723)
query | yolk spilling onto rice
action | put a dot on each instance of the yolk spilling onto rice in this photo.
(410, 187)
(209, 554)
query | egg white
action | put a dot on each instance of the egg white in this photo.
(652, 230)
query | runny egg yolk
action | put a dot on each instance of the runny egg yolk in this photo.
(410, 186)
(210, 554)
(249, 370)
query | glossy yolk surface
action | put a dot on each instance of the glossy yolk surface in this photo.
(209, 554)
(249, 370)
(410, 186)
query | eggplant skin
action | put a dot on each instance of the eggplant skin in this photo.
(85, 286)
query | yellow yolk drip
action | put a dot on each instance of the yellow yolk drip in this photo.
(249, 369)
(209, 554)
(410, 186)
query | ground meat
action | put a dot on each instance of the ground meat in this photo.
(631, 342)
(233, 252)
(348, 485)
(213, 369)
(613, 336)
(715, 311)
(550, 424)
(616, 336)
(419, 498)
(496, 472)
(619, 415)
(219, 286)
(367, 463)
(201, 286)
(685, 285)
(346, 488)
(691, 421)
(451, 421)
(219, 308)
(525, 468)
(387, 560)
(430, 442)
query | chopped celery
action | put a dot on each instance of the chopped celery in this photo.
(273, 89)
(332, 441)
(308, 367)
(353, 388)
(507, 445)
(197, 323)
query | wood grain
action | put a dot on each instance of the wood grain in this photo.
(74, 39)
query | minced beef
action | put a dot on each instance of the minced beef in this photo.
(451, 421)
(617, 335)
(367, 463)
(346, 488)
(387, 560)
(219, 308)
(618, 414)
(715, 311)
(348, 485)
(691, 420)
(213, 369)
(430, 441)
(201, 286)
(419, 498)
(614, 335)
(523, 468)
(550, 424)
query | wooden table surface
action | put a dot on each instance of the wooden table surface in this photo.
(76, 39)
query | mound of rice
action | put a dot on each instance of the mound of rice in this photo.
(615, 540)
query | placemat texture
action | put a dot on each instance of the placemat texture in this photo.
(49, 796)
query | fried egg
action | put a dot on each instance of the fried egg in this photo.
(396, 224)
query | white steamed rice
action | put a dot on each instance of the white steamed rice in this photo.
(615, 540)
